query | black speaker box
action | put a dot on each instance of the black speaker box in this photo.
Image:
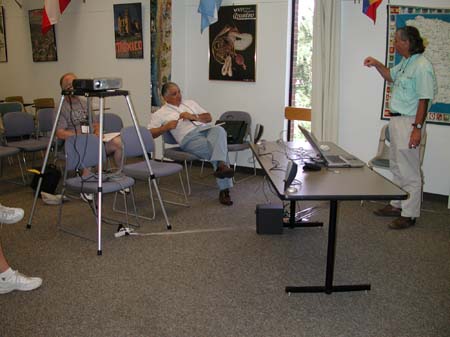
(269, 218)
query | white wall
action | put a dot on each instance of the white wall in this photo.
(362, 92)
(85, 42)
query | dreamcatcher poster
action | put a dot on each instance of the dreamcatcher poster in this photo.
(232, 44)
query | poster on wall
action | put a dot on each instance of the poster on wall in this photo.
(42, 45)
(434, 27)
(3, 53)
(161, 47)
(128, 31)
(232, 44)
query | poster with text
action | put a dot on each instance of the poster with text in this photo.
(42, 45)
(232, 44)
(434, 27)
(128, 31)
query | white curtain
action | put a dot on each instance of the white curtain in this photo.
(325, 69)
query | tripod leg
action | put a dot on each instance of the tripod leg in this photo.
(44, 164)
(136, 125)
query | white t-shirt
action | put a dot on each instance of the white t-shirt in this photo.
(169, 112)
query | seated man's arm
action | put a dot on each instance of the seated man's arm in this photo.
(202, 117)
(156, 132)
(63, 134)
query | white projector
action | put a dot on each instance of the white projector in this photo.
(94, 84)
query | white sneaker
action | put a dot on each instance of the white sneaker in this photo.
(87, 197)
(9, 215)
(18, 281)
(124, 191)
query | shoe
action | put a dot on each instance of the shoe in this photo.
(124, 191)
(18, 281)
(388, 210)
(10, 215)
(402, 223)
(87, 197)
(224, 197)
(224, 171)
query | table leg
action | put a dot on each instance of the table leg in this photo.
(294, 223)
(331, 253)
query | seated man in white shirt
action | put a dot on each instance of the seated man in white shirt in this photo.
(184, 119)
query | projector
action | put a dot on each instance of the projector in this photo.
(97, 84)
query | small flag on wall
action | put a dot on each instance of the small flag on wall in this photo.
(370, 8)
(208, 9)
(52, 12)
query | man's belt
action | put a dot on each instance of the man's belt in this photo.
(395, 114)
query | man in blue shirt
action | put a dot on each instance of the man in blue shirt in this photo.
(414, 87)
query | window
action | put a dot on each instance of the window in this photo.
(301, 62)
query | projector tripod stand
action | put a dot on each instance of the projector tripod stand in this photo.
(101, 95)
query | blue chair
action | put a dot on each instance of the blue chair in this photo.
(139, 170)
(236, 148)
(6, 107)
(20, 132)
(82, 152)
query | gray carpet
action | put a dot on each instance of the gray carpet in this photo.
(212, 275)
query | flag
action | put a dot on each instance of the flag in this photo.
(208, 9)
(52, 13)
(370, 8)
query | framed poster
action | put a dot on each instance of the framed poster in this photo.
(128, 31)
(433, 25)
(161, 49)
(42, 45)
(3, 53)
(232, 44)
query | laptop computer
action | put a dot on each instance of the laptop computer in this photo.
(331, 159)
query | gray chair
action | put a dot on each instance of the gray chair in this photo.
(6, 107)
(45, 120)
(175, 153)
(111, 122)
(7, 152)
(82, 152)
(381, 159)
(236, 148)
(20, 132)
(139, 170)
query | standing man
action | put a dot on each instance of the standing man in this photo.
(414, 87)
(184, 119)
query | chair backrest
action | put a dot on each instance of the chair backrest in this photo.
(238, 116)
(45, 119)
(82, 152)
(130, 140)
(168, 138)
(10, 107)
(14, 99)
(41, 103)
(18, 124)
(112, 122)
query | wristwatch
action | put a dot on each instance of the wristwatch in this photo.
(417, 126)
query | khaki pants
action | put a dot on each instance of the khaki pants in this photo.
(405, 165)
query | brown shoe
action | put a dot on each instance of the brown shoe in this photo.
(224, 197)
(388, 210)
(224, 171)
(402, 223)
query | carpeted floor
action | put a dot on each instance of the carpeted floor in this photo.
(212, 275)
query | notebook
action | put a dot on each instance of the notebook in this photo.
(204, 127)
(330, 158)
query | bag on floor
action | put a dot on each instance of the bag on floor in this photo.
(50, 179)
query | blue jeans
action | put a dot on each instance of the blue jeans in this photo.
(210, 145)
